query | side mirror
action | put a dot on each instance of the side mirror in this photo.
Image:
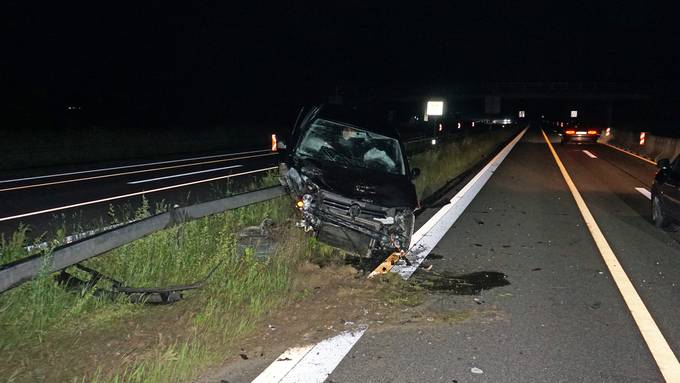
(415, 172)
(663, 164)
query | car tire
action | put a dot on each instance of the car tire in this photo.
(660, 219)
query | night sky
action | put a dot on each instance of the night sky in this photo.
(223, 60)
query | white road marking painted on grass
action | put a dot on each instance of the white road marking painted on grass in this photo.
(183, 174)
(644, 192)
(429, 235)
(658, 346)
(320, 361)
(131, 166)
(133, 194)
(591, 155)
(110, 175)
(311, 364)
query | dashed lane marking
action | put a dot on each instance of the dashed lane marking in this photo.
(133, 194)
(130, 172)
(589, 154)
(184, 174)
(644, 192)
(311, 364)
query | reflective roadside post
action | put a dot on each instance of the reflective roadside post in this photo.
(643, 138)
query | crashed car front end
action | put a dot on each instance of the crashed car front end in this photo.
(351, 224)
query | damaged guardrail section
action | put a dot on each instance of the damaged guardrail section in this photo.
(15, 273)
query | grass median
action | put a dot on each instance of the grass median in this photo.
(40, 319)
(449, 159)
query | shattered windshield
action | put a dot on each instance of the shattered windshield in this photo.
(347, 145)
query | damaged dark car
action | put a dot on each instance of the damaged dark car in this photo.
(349, 177)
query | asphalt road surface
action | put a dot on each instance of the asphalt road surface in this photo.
(48, 199)
(564, 316)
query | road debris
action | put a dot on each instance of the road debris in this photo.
(152, 295)
(257, 240)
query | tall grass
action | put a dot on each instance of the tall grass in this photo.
(450, 159)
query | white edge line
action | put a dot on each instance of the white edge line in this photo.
(313, 363)
(644, 192)
(183, 174)
(426, 238)
(131, 166)
(591, 155)
(133, 194)
(629, 153)
(283, 364)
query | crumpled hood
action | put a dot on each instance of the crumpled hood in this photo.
(383, 189)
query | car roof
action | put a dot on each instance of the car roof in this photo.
(365, 119)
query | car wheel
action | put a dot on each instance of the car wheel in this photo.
(660, 219)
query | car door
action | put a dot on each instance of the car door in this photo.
(670, 190)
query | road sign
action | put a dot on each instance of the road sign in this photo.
(435, 108)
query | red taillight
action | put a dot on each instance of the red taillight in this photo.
(592, 132)
(570, 132)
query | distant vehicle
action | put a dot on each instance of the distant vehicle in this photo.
(666, 193)
(348, 175)
(575, 132)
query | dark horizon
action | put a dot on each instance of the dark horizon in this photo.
(175, 63)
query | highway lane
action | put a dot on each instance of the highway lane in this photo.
(562, 318)
(651, 256)
(42, 199)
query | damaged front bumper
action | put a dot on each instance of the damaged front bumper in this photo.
(356, 226)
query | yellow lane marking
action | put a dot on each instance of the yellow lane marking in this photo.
(133, 172)
(629, 153)
(133, 194)
(658, 346)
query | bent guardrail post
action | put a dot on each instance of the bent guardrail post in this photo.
(15, 273)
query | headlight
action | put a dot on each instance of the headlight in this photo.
(307, 201)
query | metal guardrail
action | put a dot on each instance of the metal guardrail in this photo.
(18, 272)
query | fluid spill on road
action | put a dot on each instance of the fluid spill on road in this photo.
(466, 284)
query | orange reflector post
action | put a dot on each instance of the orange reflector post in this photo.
(643, 137)
(387, 264)
(274, 146)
